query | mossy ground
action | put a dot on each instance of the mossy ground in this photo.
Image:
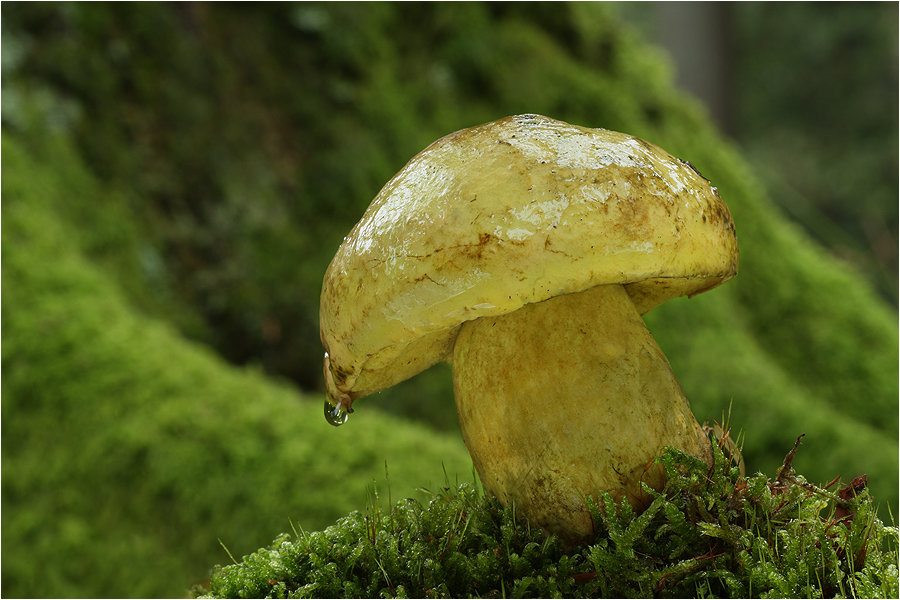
(710, 533)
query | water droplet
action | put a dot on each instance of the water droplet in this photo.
(335, 414)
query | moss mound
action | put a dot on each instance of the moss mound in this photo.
(125, 445)
(710, 533)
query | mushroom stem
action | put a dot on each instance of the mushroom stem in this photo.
(566, 398)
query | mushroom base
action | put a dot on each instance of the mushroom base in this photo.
(566, 398)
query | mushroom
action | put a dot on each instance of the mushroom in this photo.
(524, 251)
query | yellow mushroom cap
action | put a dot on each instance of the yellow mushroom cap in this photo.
(519, 210)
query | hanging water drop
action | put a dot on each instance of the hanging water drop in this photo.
(335, 415)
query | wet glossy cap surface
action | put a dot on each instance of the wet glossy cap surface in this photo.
(490, 218)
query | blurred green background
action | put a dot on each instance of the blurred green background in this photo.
(177, 177)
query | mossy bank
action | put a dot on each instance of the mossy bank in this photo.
(710, 533)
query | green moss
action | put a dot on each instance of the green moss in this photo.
(710, 533)
(125, 445)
